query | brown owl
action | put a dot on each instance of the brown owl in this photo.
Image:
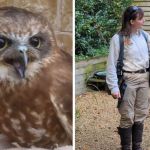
(35, 81)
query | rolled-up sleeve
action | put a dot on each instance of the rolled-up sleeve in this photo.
(111, 75)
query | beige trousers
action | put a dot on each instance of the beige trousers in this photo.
(135, 104)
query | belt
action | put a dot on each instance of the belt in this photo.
(138, 71)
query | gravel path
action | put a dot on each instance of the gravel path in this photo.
(97, 119)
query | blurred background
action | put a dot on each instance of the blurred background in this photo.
(58, 12)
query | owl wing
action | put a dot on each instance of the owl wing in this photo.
(61, 91)
(62, 107)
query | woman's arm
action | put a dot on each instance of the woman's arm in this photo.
(111, 75)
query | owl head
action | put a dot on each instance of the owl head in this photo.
(26, 39)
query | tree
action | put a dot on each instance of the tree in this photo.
(95, 23)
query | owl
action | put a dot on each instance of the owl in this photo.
(35, 81)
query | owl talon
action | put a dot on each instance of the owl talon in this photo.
(16, 145)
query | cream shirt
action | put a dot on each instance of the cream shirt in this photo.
(136, 57)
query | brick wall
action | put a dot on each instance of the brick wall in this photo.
(59, 12)
(145, 5)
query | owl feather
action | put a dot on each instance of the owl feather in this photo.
(35, 81)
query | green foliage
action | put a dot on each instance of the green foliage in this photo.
(77, 114)
(95, 23)
(94, 53)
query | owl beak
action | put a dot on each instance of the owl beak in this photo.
(21, 64)
(25, 58)
(20, 69)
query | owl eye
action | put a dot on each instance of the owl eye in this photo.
(3, 43)
(35, 42)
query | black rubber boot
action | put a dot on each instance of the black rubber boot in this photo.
(125, 137)
(137, 133)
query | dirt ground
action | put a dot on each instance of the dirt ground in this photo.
(97, 119)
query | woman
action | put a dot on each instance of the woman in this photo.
(134, 99)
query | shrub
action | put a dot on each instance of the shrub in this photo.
(95, 23)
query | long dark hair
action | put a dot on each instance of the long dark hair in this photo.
(131, 13)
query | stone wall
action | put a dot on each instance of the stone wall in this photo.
(84, 69)
(59, 12)
(145, 5)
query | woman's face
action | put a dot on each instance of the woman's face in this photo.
(137, 23)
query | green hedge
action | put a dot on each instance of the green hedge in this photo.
(95, 23)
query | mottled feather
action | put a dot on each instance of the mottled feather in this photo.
(35, 97)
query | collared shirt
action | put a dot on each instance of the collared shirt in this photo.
(136, 57)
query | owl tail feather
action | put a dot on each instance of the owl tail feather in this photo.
(20, 68)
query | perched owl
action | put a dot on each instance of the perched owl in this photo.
(35, 81)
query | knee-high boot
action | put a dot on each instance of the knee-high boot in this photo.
(125, 137)
(137, 133)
